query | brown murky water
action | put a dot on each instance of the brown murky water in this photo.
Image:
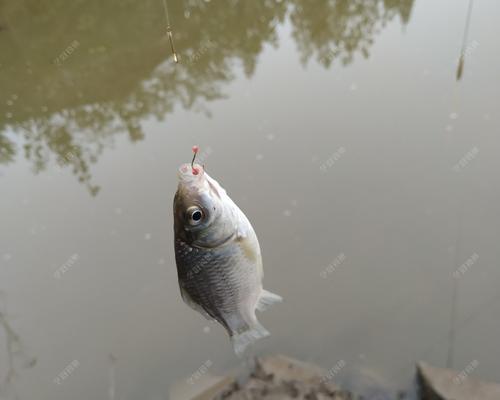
(364, 153)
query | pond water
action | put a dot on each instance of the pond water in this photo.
(359, 137)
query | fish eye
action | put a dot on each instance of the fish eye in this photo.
(194, 215)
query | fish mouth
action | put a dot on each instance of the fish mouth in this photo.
(190, 173)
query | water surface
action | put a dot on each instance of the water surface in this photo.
(364, 154)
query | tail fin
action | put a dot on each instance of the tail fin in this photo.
(242, 340)
(267, 299)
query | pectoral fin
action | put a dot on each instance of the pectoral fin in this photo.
(267, 299)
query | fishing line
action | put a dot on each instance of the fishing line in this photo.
(467, 23)
(112, 377)
(169, 32)
(450, 354)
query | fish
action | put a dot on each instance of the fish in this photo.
(218, 257)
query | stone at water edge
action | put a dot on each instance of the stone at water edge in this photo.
(441, 384)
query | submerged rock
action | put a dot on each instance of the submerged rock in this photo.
(445, 384)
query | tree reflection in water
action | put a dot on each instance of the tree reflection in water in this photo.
(76, 74)
(16, 355)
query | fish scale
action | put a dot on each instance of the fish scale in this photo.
(215, 285)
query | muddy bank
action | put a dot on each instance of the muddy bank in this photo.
(281, 377)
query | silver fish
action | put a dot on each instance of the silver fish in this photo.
(219, 263)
